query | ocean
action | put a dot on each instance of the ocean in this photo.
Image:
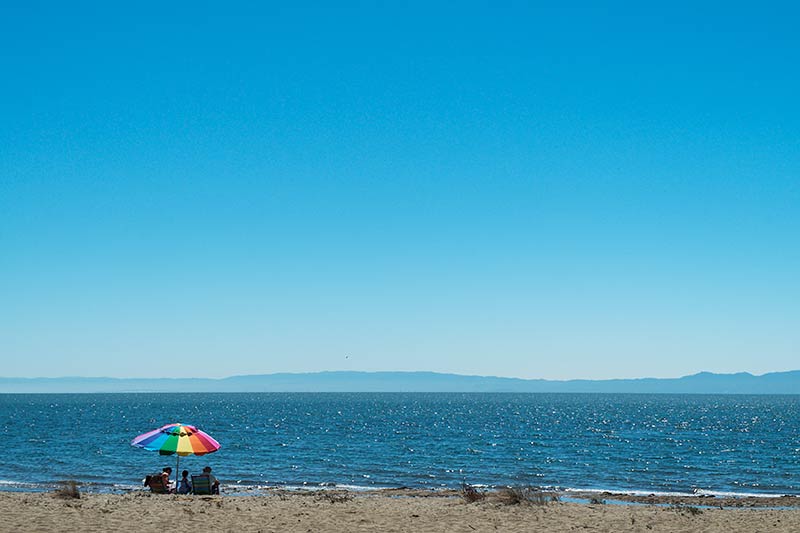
(681, 444)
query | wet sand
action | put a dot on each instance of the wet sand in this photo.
(702, 501)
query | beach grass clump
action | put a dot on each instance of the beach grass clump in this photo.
(470, 494)
(692, 510)
(334, 497)
(523, 495)
(68, 490)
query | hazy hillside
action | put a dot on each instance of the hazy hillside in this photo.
(704, 382)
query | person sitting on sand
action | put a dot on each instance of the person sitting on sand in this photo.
(184, 485)
(166, 473)
(159, 483)
(212, 480)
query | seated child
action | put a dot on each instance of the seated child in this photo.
(184, 485)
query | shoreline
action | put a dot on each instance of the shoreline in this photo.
(577, 496)
(392, 510)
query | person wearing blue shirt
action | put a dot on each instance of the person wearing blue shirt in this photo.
(184, 485)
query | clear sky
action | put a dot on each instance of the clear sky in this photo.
(192, 189)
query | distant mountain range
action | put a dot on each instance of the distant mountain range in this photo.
(702, 383)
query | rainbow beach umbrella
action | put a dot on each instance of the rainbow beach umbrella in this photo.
(180, 439)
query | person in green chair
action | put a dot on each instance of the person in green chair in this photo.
(212, 479)
(205, 483)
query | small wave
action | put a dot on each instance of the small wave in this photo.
(23, 486)
(126, 487)
(724, 494)
(260, 489)
(698, 492)
(7, 482)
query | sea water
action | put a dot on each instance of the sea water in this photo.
(635, 443)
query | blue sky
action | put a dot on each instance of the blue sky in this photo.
(504, 189)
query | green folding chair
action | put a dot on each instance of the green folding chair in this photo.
(201, 484)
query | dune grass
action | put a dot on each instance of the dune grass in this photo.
(68, 490)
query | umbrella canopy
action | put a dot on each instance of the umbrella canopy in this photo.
(177, 438)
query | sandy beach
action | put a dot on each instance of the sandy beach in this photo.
(373, 511)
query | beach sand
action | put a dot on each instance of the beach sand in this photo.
(357, 512)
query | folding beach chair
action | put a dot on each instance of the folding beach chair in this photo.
(201, 484)
(156, 484)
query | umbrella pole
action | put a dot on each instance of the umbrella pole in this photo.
(177, 464)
